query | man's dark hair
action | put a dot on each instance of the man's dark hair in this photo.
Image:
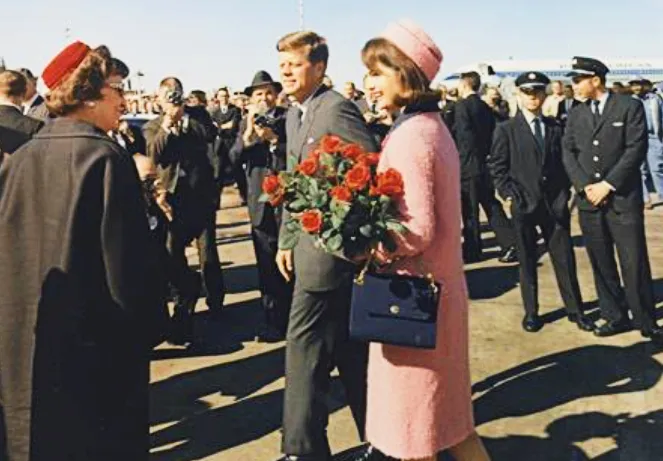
(473, 79)
(200, 96)
(27, 74)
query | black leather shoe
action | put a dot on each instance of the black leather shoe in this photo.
(655, 334)
(303, 458)
(369, 454)
(509, 256)
(613, 328)
(582, 322)
(532, 323)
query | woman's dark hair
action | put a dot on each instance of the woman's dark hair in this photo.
(85, 82)
(415, 85)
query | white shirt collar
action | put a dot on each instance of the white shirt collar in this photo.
(28, 104)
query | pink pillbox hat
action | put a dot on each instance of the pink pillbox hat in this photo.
(417, 45)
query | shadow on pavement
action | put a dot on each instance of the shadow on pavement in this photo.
(202, 433)
(177, 398)
(638, 438)
(557, 379)
(491, 282)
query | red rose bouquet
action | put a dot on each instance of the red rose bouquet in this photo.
(337, 196)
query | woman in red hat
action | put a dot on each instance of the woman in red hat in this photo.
(80, 291)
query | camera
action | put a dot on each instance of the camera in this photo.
(175, 97)
(265, 121)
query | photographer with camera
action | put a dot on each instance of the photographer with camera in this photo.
(177, 144)
(261, 145)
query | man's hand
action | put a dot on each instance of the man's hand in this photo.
(597, 193)
(284, 263)
(266, 134)
(227, 126)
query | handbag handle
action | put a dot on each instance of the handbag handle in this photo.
(359, 280)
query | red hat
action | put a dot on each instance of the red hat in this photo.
(64, 63)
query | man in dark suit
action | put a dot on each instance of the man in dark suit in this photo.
(227, 118)
(34, 105)
(317, 339)
(15, 128)
(261, 146)
(178, 145)
(567, 104)
(473, 131)
(604, 145)
(526, 166)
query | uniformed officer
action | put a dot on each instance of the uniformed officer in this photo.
(526, 167)
(604, 145)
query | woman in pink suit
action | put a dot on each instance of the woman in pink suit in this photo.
(419, 401)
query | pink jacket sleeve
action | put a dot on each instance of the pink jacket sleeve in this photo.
(414, 159)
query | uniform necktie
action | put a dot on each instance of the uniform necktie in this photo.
(538, 134)
(597, 112)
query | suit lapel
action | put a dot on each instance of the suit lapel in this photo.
(606, 111)
(548, 136)
(306, 125)
(525, 128)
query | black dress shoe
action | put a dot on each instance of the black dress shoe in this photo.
(532, 323)
(655, 334)
(582, 322)
(613, 328)
(509, 256)
(369, 454)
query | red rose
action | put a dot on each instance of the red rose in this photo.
(311, 221)
(352, 152)
(315, 153)
(308, 166)
(271, 184)
(358, 176)
(330, 143)
(341, 193)
(373, 191)
(277, 199)
(390, 183)
(371, 159)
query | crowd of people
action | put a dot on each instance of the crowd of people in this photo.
(96, 214)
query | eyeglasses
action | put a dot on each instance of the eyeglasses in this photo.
(118, 87)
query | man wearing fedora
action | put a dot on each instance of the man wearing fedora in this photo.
(261, 146)
(605, 143)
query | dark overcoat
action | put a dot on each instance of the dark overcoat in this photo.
(81, 294)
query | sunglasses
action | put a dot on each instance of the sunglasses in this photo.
(117, 86)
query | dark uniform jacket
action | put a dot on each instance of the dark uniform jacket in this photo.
(612, 151)
(474, 123)
(80, 297)
(521, 171)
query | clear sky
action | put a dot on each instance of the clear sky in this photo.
(209, 43)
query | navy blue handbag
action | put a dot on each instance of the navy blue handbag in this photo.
(395, 309)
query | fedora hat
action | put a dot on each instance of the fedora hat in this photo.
(262, 78)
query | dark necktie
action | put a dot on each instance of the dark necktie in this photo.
(538, 134)
(597, 112)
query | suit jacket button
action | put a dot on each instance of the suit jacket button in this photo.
(596, 142)
(544, 179)
(596, 159)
